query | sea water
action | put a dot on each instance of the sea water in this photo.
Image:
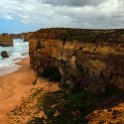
(17, 52)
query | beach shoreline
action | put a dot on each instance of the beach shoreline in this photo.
(14, 86)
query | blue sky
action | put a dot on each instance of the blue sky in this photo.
(16, 26)
(18, 16)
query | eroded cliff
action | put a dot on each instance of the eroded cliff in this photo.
(6, 40)
(80, 59)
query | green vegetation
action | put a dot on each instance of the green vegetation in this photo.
(35, 81)
(83, 35)
(39, 74)
(62, 108)
(38, 91)
(36, 120)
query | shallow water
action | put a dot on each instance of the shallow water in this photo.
(19, 51)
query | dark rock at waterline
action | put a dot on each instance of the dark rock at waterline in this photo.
(4, 54)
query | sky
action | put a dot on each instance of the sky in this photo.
(17, 16)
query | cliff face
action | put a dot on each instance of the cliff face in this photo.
(91, 59)
(6, 40)
(26, 36)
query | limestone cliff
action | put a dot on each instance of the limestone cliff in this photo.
(6, 40)
(26, 36)
(80, 59)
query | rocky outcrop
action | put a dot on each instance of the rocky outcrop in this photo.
(4, 54)
(6, 40)
(26, 36)
(16, 36)
(80, 59)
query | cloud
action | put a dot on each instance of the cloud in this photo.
(74, 2)
(65, 13)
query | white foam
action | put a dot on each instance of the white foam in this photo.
(16, 54)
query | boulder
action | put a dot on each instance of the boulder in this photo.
(4, 54)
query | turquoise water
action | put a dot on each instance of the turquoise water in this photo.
(16, 53)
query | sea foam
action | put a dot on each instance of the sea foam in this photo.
(16, 53)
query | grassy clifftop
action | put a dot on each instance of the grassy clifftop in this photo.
(83, 35)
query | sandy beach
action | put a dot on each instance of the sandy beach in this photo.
(13, 87)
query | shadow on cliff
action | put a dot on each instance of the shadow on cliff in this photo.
(111, 100)
(73, 107)
(52, 74)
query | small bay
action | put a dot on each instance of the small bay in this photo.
(17, 52)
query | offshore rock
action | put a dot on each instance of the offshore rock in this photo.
(6, 40)
(4, 54)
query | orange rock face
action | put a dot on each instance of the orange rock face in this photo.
(82, 59)
(6, 40)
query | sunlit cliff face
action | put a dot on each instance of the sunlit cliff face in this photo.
(91, 65)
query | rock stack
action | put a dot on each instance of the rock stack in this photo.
(6, 40)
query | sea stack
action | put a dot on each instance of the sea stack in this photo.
(6, 40)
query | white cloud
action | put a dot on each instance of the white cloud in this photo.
(86, 14)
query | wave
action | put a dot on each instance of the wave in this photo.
(16, 53)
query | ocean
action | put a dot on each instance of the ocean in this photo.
(17, 52)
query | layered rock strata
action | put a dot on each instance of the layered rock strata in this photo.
(80, 59)
(6, 40)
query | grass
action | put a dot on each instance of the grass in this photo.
(36, 120)
(35, 81)
(62, 108)
(37, 93)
